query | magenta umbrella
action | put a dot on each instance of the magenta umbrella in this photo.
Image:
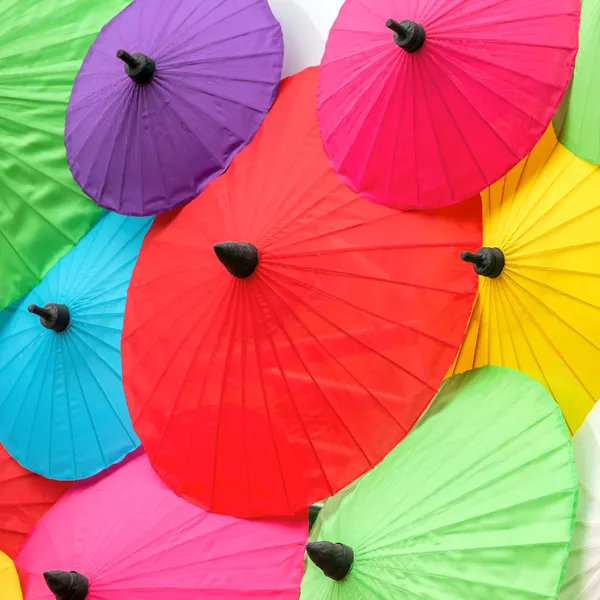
(168, 94)
(126, 536)
(424, 103)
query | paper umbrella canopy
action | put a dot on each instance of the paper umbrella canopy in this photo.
(477, 502)
(43, 213)
(423, 103)
(537, 308)
(24, 498)
(63, 408)
(194, 81)
(126, 536)
(281, 333)
(9, 579)
(582, 581)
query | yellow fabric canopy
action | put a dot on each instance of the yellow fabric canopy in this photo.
(541, 315)
(10, 588)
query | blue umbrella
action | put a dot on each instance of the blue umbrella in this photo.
(62, 407)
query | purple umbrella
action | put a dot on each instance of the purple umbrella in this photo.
(195, 78)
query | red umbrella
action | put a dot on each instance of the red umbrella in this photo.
(24, 498)
(271, 375)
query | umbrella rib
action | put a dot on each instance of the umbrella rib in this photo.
(378, 64)
(291, 397)
(245, 315)
(316, 384)
(375, 78)
(195, 563)
(331, 296)
(515, 247)
(185, 294)
(460, 51)
(29, 206)
(263, 388)
(74, 370)
(445, 73)
(167, 363)
(515, 276)
(192, 362)
(35, 414)
(367, 278)
(7, 393)
(181, 40)
(296, 222)
(503, 319)
(334, 326)
(438, 145)
(533, 320)
(185, 50)
(508, 303)
(387, 214)
(331, 251)
(465, 497)
(233, 302)
(374, 102)
(376, 540)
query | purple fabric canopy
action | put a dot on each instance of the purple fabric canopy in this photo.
(147, 140)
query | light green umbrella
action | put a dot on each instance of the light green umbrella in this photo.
(477, 503)
(42, 211)
(577, 121)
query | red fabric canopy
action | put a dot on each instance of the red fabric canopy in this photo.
(257, 396)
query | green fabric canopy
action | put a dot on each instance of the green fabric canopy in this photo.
(43, 213)
(477, 503)
(577, 121)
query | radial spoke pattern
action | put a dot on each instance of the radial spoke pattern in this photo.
(437, 126)
(63, 410)
(133, 538)
(43, 213)
(542, 315)
(281, 388)
(141, 149)
(478, 501)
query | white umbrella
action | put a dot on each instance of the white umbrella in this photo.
(305, 25)
(582, 576)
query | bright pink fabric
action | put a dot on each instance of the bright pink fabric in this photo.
(136, 540)
(435, 127)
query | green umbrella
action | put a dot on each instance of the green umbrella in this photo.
(43, 213)
(477, 502)
(577, 121)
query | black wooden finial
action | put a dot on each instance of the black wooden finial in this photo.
(138, 66)
(410, 36)
(239, 258)
(487, 262)
(67, 585)
(335, 560)
(52, 316)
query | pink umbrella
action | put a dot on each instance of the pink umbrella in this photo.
(424, 103)
(128, 537)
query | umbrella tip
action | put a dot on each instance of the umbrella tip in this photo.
(487, 262)
(239, 258)
(139, 67)
(67, 585)
(410, 36)
(335, 560)
(52, 316)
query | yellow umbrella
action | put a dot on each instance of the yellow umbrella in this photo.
(10, 587)
(538, 305)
